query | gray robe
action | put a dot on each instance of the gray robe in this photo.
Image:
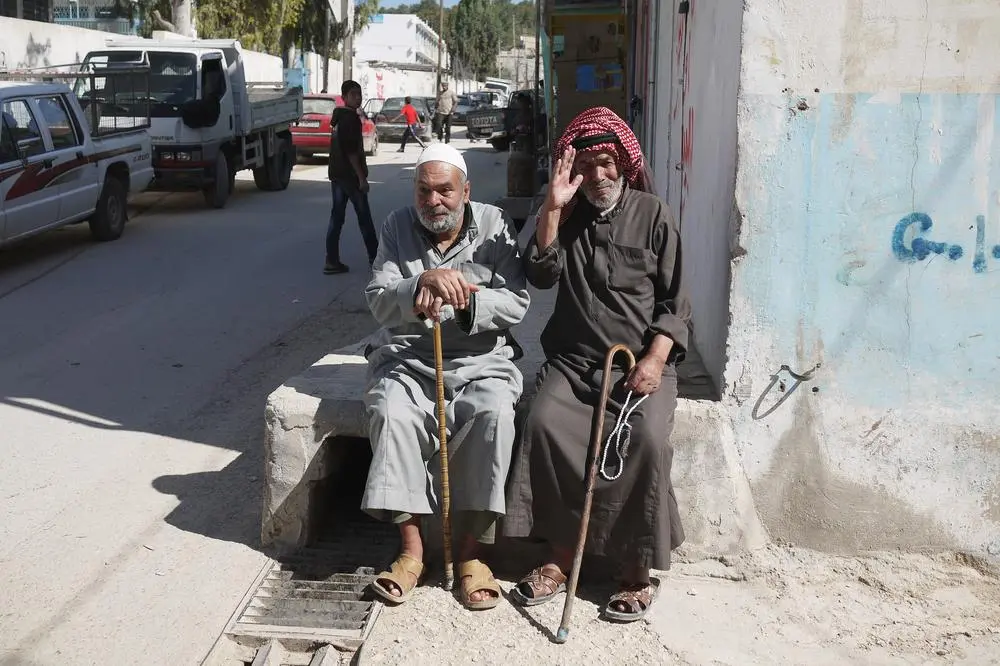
(482, 384)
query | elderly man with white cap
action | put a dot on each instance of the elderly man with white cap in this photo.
(449, 259)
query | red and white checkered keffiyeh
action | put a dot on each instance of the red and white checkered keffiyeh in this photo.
(600, 128)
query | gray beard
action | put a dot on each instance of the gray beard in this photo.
(608, 201)
(443, 226)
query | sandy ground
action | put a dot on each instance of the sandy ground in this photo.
(777, 605)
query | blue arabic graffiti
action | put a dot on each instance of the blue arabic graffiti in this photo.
(920, 247)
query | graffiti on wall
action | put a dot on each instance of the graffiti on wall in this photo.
(910, 242)
(36, 54)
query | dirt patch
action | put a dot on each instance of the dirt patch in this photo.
(776, 605)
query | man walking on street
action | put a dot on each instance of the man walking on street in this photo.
(446, 102)
(409, 113)
(348, 173)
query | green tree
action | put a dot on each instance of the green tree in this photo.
(429, 12)
(474, 35)
(274, 27)
(474, 25)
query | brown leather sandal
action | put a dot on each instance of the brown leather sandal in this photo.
(405, 573)
(540, 585)
(637, 598)
(477, 577)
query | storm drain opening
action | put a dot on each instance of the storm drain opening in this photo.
(317, 596)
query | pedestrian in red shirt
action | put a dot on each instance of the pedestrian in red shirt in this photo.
(409, 113)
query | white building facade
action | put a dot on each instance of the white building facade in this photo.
(399, 38)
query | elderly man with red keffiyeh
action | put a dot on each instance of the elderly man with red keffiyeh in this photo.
(612, 248)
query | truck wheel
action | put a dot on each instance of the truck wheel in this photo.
(282, 163)
(262, 177)
(218, 192)
(108, 221)
(500, 145)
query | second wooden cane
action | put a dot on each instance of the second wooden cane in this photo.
(449, 571)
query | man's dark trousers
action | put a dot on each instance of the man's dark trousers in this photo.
(342, 193)
(443, 127)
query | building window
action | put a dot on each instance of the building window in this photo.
(35, 10)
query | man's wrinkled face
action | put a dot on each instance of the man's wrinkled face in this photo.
(602, 184)
(440, 195)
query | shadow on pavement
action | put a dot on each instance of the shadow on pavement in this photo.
(134, 335)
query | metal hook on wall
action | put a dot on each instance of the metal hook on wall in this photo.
(775, 379)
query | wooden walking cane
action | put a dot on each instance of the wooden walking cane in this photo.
(449, 572)
(597, 429)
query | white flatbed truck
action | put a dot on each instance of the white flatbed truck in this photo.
(208, 121)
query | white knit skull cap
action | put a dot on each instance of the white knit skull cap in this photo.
(442, 152)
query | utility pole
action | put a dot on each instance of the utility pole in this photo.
(440, 45)
(347, 48)
(326, 48)
(517, 54)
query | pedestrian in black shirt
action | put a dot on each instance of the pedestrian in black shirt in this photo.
(348, 173)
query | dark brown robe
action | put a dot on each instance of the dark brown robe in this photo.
(618, 277)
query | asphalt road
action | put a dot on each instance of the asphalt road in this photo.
(133, 377)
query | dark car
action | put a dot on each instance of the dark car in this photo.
(311, 133)
(390, 108)
(465, 104)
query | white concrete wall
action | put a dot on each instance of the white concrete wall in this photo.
(27, 44)
(34, 44)
(696, 85)
(869, 195)
(314, 63)
(397, 38)
(383, 82)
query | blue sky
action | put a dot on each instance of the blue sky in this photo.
(396, 3)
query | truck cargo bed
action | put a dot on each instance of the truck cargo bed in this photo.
(271, 105)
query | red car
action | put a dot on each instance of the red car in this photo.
(311, 134)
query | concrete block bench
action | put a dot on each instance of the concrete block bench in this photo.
(316, 412)
(313, 416)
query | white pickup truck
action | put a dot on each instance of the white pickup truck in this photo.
(60, 165)
(208, 121)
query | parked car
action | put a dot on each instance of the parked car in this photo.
(61, 165)
(465, 104)
(383, 112)
(431, 102)
(311, 132)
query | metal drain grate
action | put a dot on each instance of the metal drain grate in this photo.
(318, 592)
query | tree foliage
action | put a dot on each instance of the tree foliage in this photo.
(270, 27)
(476, 30)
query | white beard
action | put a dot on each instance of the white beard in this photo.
(607, 201)
(445, 225)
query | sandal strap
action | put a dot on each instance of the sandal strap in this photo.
(408, 564)
(476, 577)
(398, 570)
(637, 600)
(537, 578)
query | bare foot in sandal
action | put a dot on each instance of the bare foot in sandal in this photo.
(544, 583)
(478, 589)
(398, 583)
(633, 598)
